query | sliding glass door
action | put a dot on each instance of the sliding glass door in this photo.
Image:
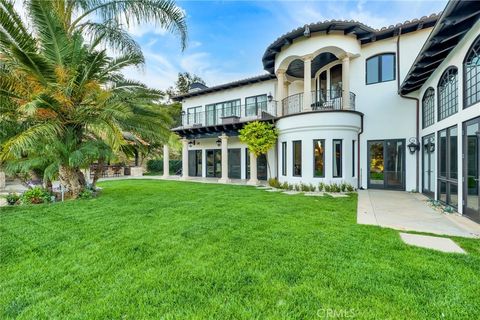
(261, 166)
(386, 160)
(471, 142)
(448, 166)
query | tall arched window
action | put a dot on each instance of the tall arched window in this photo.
(471, 74)
(428, 108)
(448, 93)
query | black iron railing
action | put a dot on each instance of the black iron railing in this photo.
(320, 100)
(230, 114)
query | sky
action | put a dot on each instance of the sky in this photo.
(227, 39)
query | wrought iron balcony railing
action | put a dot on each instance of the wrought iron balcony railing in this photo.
(230, 114)
(321, 100)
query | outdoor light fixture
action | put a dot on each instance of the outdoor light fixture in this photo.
(430, 146)
(219, 142)
(413, 145)
(306, 33)
(270, 97)
(192, 143)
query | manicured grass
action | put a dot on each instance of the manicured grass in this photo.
(152, 249)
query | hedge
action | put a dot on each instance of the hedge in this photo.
(157, 166)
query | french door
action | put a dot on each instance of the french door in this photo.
(214, 163)
(428, 160)
(386, 160)
(195, 163)
(471, 171)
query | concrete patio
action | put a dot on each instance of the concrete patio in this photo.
(410, 212)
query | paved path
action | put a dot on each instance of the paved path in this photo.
(410, 212)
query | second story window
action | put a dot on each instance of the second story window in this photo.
(380, 68)
(255, 105)
(428, 108)
(215, 112)
(194, 115)
(471, 69)
(448, 93)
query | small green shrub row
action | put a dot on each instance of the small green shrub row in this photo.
(322, 187)
(38, 195)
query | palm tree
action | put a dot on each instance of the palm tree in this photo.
(67, 99)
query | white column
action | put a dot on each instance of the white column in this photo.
(253, 170)
(307, 83)
(184, 158)
(2, 180)
(224, 178)
(166, 161)
(280, 91)
(346, 82)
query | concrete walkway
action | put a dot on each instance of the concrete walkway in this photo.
(410, 212)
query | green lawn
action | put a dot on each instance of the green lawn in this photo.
(152, 249)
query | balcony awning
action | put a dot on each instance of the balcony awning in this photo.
(230, 129)
(364, 34)
(456, 20)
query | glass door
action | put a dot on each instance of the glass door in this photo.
(214, 163)
(471, 173)
(262, 166)
(234, 163)
(428, 160)
(386, 164)
(195, 163)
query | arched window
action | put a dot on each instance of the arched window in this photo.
(448, 93)
(428, 108)
(471, 75)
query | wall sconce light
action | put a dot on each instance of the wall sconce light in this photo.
(270, 97)
(192, 143)
(413, 145)
(430, 146)
(219, 142)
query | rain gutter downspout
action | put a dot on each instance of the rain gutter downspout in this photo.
(417, 101)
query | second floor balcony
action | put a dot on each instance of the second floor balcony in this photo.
(227, 115)
(320, 100)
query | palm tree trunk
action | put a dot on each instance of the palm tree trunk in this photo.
(72, 179)
(98, 171)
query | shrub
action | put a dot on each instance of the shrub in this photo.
(36, 195)
(86, 193)
(297, 187)
(321, 187)
(312, 187)
(327, 188)
(155, 165)
(350, 188)
(13, 199)
(273, 182)
(304, 187)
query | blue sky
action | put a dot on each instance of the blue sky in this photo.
(228, 38)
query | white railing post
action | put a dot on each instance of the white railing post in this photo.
(224, 178)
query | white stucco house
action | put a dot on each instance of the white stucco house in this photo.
(396, 108)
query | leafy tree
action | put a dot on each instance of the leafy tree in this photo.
(183, 83)
(65, 101)
(260, 137)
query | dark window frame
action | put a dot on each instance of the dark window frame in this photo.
(379, 56)
(284, 158)
(293, 158)
(222, 109)
(256, 103)
(334, 156)
(447, 179)
(195, 113)
(428, 108)
(442, 100)
(353, 158)
(474, 48)
(314, 162)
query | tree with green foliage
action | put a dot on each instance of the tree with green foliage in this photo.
(68, 103)
(260, 137)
